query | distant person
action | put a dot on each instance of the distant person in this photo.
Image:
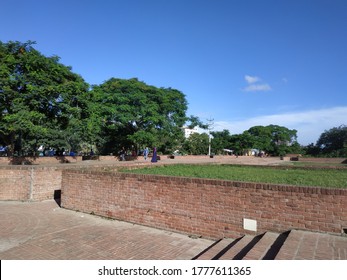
(145, 153)
(122, 154)
(154, 157)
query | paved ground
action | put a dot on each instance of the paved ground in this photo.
(305, 245)
(42, 230)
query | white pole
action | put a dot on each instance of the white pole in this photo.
(209, 143)
(210, 123)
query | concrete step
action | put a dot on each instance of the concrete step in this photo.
(239, 248)
(214, 249)
(266, 248)
(290, 246)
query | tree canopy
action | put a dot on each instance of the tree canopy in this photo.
(140, 115)
(41, 100)
(333, 142)
(271, 139)
(221, 140)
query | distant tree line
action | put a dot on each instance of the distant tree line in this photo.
(272, 140)
(43, 104)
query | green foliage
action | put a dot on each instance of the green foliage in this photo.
(139, 115)
(194, 121)
(221, 140)
(39, 97)
(43, 103)
(196, 144)
(333, 142)
(272, 139)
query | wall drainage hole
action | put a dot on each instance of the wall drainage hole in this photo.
(344, 230)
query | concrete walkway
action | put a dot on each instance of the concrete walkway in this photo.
(43, 231)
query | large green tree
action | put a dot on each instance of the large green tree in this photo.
(41, 100)
(239, 143)
(140, 115)
(272, 139)
(221, 140)
(333, 142)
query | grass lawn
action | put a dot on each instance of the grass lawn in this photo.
(292, 176)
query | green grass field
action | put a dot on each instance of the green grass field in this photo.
(331, 178)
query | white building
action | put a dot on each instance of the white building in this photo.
(188, 131)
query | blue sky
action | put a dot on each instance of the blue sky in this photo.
(239, 62)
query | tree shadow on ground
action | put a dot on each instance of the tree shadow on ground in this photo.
(22, 160)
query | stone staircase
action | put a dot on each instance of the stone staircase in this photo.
(290, 245)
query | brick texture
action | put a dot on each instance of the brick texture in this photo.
(29, 183)
(211, 208)
(14, 184)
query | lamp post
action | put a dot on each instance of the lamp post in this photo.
(210, 126)
(209, 143)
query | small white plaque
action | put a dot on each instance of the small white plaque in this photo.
(249, 224)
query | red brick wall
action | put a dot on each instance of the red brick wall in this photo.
(14, 184)
(29, 183)
(211, 208)
(45, 182)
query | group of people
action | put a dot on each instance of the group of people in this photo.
(145, 154)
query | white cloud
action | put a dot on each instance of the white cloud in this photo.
(257, 87)
(252, 80)
(254, 85)
(309, 124)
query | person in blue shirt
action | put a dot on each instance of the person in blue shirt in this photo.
(145, 153)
